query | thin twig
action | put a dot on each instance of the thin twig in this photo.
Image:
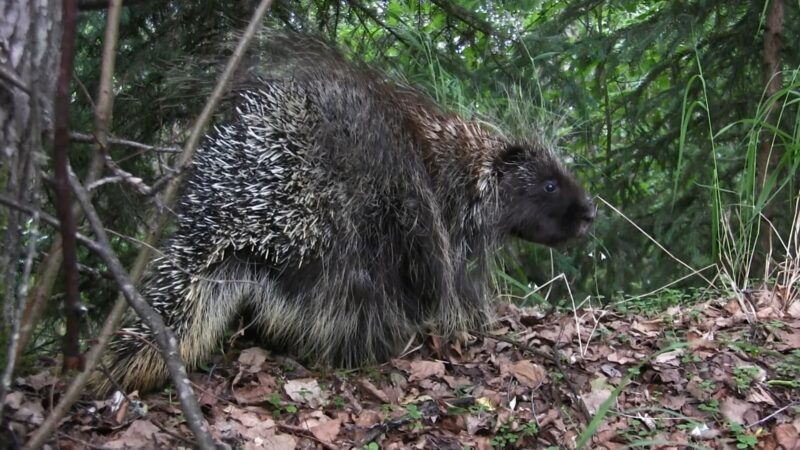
(780, 410)
(166, 340)
(653, 240)
(88, 138)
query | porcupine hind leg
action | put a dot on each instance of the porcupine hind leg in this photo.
(198, 305)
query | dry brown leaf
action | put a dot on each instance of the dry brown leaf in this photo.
(252, 358)
(734, 409)
(38, 381)
(671, 358)
(251, 394)
(674, 402)
(757, 394)
(794, 310)
(421, 370)
(305, 390)
(274, 442)
(600, 392)
(374, 390)
(327, 431)
(139, 434)
(787, 436)
(620, 358)
(30, 412)
(529, 374)
(649, 329)
(368, 418)
(791, 339)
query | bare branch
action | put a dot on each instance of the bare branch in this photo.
(71, 345)
(166, 340)
(81, 137)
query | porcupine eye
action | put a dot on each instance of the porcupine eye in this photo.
(551, 187)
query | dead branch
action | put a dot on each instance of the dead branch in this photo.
(166, 340)
(88, 138)
(72, 306)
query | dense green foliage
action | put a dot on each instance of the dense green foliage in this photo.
(659, 106)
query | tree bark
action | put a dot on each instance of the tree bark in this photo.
(30, 36)
(768, 155)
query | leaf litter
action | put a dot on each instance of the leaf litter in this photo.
(714, 375)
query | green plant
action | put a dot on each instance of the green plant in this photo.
(415, 415)
(744, 377)
(710, 406)
(707, 385)
(744, 439)
(338, 402)
(279, 406)
(505, 436)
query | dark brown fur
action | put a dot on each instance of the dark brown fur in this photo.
(344, 214)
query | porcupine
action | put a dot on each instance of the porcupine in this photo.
(344, 214)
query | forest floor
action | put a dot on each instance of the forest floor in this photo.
(724, 373)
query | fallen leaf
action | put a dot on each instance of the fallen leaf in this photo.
(734, 409)
(30, 412)
(252, 358)
(421, 370)
(368, 418)
(250, 394)
(600, 392)
(304, 390)
(327, 431)
(139, 434)
(787, 436)
(39, 380)
(529, 374)
(374, 390)
(757, 394)
(671, 358)
(794, 310)
(274, 442)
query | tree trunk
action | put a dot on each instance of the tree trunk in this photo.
(768, 155)
(30, 38)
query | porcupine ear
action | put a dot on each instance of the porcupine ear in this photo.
(509, 157)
